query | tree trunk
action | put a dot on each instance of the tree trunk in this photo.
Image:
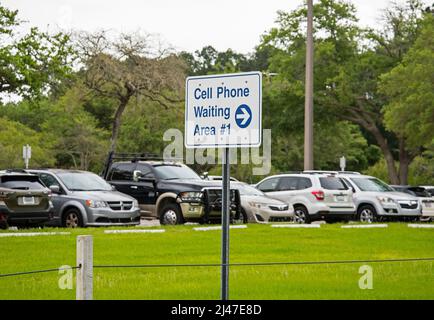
(404, 162)
(390, 161)
(117, 122)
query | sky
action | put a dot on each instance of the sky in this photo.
(184, 24)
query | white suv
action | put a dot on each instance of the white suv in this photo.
(313, 196)
(376, 200)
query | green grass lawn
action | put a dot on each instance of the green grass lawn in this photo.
(258, 243)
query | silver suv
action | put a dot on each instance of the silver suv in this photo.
(313, 196)
(376, 200)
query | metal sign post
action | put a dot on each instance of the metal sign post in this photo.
(342, 163)
(224, 111)
(27, 154)
(225, 226)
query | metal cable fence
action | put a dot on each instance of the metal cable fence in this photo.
(240, 264)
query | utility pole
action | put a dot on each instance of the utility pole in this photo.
(308, 105)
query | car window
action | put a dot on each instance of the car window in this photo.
(288, 184)
(22, 185)
(372, 184)
(174, 172)
(269, 185)
(145, 170)
(304, 183)
(48, 180)
(332, 183)
(122, 172)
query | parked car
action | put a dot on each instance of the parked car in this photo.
(256, 207)
(426, 199)
(169, 190)
(83, 199)
(313, 196)
(430, 189)
(375, 200)
(23, 200)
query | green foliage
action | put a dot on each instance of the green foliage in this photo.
(14, 136)
(410, 89)
(34, 63)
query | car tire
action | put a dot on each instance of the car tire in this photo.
(242, 219)
(72, 219)
(367, 214)
(171, 215)
(4, 225)
(301, 215)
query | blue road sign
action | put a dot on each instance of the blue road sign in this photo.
(243, 116)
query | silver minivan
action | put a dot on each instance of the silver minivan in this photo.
(82, 199)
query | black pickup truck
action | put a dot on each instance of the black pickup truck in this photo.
(169, 190)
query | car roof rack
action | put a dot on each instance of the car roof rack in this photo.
(329, 172)
(13, 170)
(133, 157)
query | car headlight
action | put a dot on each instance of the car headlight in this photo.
(385, 200)
(257, 204)
(96, 204)
(136, 204)
(191, 196)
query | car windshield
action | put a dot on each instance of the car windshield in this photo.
(371, 184)
(246, 190)
(173, 172)
(83, 181)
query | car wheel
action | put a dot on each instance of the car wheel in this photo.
(367, 214)
(242, 218)
(301, 215)
(72, 219)
(3, 222)
(171, 215)
(4, 225)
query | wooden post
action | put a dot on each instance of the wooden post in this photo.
(84, 290)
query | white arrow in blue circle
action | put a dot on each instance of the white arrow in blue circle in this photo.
(243, 116)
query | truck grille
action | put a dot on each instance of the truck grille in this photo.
(120, 205)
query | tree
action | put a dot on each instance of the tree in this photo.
(32, 64)
(77, 142)
(353, 94)
(409, 88)
(14, 136)
(130, 67)
(335, 42)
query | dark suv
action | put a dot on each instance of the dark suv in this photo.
(23, 200)
(168, 190)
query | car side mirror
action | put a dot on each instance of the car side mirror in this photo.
(113, 187)
(136, 175)
(205, 175)
(54, 189)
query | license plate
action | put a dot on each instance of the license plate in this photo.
(340, 198)
(428, 204)
(28, 201)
